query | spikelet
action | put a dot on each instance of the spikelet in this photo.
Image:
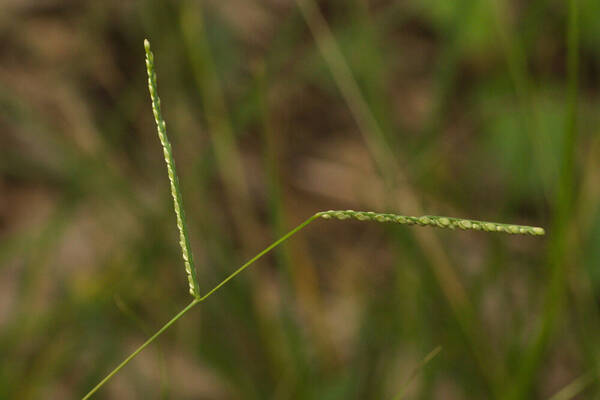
(434, 221)
(161, 126)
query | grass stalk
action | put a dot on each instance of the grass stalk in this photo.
(196, 301)
(575, 388)
(555, 294)
(430, 356)
(529, 115)
(142, 347)
(426, 220)
(434, 221)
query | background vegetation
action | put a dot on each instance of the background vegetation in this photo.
(276, 110)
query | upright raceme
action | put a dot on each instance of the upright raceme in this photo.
(161, 126)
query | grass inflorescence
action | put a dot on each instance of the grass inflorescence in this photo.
(426, 220)
(161, 127)
(434, 221)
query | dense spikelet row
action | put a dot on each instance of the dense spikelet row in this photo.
(186, 251)
(432, 220)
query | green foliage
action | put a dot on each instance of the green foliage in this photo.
(460, 108)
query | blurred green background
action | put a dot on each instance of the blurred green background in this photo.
(277, 109)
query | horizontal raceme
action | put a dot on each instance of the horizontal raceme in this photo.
(433, 221)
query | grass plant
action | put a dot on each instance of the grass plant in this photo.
(425, 221)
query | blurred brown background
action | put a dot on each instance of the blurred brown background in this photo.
(277, 109)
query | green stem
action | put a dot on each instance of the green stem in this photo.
(259, 255)
(442, 222)
(430, 356)
(196, 301)
(142, 347)
(558, 258)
